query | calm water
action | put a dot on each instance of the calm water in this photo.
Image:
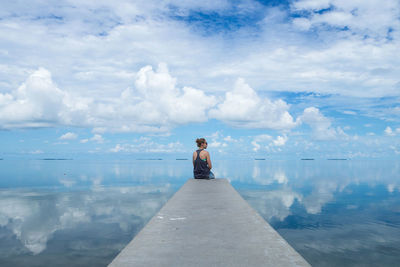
(82, 213)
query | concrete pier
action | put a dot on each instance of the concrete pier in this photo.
(207, 223)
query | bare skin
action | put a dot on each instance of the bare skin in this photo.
(203, 154)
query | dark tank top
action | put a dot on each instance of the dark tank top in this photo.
(200, 170)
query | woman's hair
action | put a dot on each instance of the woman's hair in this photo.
(200, 141)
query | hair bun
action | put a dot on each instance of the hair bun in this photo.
(200, 141)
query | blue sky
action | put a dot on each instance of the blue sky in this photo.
(133, 79)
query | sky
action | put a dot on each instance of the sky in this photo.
(142, 79)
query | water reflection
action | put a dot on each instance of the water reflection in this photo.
(335, 213)
(47, 223)
(34, 173)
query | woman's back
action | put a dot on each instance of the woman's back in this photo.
(201, 169)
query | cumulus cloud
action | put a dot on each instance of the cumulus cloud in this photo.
(353, 53)
(68, 136)
(157, 99)
(242, 107)
(146, 30)
(259, 139)
(280, 140)
(389, 132)
(320, 125)
(154, 104)
(267, 142)
(36, 103)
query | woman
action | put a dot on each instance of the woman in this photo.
(201, 161)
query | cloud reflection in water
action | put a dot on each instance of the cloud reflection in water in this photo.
(67, 219)
(333, 213)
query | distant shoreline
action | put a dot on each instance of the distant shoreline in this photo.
(54, 159)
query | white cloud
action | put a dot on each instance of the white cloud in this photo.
(161, 100)
(148, 146)
(280, 140)
(395, 149)
(352, 52)
(259, 139)
(221, 143)
(146, 32)
(372, 17)
(155, 104)
(320, 125)
(229, 139)
(389, 132)
(217, 140)
(97, 138)
(311, 4)
(262, 138)
(216, 144)
(69, 136)
(349, 112)
(36, 103)
(267, 142)
(302, 23)
(117, 148)
(242, 107)
(256, 146)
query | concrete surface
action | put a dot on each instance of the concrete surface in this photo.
(207, 223)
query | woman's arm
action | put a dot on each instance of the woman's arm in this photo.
(209, 161)
(194, 157)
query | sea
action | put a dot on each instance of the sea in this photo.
(67, 212)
